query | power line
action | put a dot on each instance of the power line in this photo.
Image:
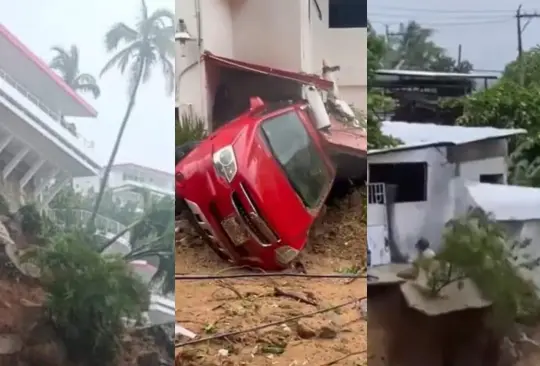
(478, 17)
(448, 11)
(447, 24)
(520, 29)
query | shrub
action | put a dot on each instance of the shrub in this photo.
(189, 127)
(475, 246)
(89, 297)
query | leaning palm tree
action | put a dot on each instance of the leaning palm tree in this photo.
(66, 63)
(138, 49)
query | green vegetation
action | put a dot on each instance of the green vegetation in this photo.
(513, 102)
(66, 63)
(377, 103)
(189, 127)
(89, 297)
(139, 50)
(476, 247)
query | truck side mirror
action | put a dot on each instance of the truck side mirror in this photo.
(255, 103)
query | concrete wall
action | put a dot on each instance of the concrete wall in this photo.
(412, 220)
(284, 34)
(344, 47)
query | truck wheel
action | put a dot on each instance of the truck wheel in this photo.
(181, 151)
(186, 212)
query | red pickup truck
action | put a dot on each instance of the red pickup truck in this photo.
(254, 187)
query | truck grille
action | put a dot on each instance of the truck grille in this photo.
(250, 217)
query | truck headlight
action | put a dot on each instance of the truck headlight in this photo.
(225, 163)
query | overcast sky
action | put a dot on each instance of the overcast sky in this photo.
(149, 136)
(485, 29)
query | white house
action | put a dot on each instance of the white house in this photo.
(126, 179)
(292, 35)
(40, 148)
(436, 174)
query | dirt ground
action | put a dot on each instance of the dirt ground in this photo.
(212, 307)
(401, 336)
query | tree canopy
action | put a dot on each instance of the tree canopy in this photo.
(513, 102)
(376, 103)
(66, 63)
(412, 48)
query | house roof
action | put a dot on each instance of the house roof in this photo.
(140, 167)
(423, 135)
(300, 77)
(506, 203)
(16, 48)
(435, 74)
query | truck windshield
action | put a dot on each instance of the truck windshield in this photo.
(299, 157)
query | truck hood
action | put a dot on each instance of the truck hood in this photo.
(269, 189)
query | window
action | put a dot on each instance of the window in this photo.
(296, 153)
(492, 178)
(410, 179)
(347, 13)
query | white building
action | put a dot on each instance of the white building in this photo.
(437, 173)
(291, 35)
(126, 180)
(40, 149)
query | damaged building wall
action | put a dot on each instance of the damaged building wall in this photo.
(412, 220)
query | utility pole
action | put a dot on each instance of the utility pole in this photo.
(520, 29)
(389, 34)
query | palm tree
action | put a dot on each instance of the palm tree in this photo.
(138, 49)
(152, 237)
(66, 62)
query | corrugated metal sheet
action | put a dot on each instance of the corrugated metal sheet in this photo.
(506, 203)
(420, 135)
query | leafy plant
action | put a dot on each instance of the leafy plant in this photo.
(475, 246)
(88, 297)
(189, 127)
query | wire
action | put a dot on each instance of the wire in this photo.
(450, 24)
(268, 325)
(451, 17)
(449, 11)
(191, 277)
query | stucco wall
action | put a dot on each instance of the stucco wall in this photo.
(284, 34)
(412, 220)
(343, 47)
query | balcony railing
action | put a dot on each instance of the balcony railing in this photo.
(104, 226)
(55, 116)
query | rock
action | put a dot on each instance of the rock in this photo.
(305, 330)
(149, 359)
(362, 306)
(32, 313)
(52, 353)
(509, 355)
(40, 333)
(10, 343)
(189, 354)
(5, 238)
(328, 331)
